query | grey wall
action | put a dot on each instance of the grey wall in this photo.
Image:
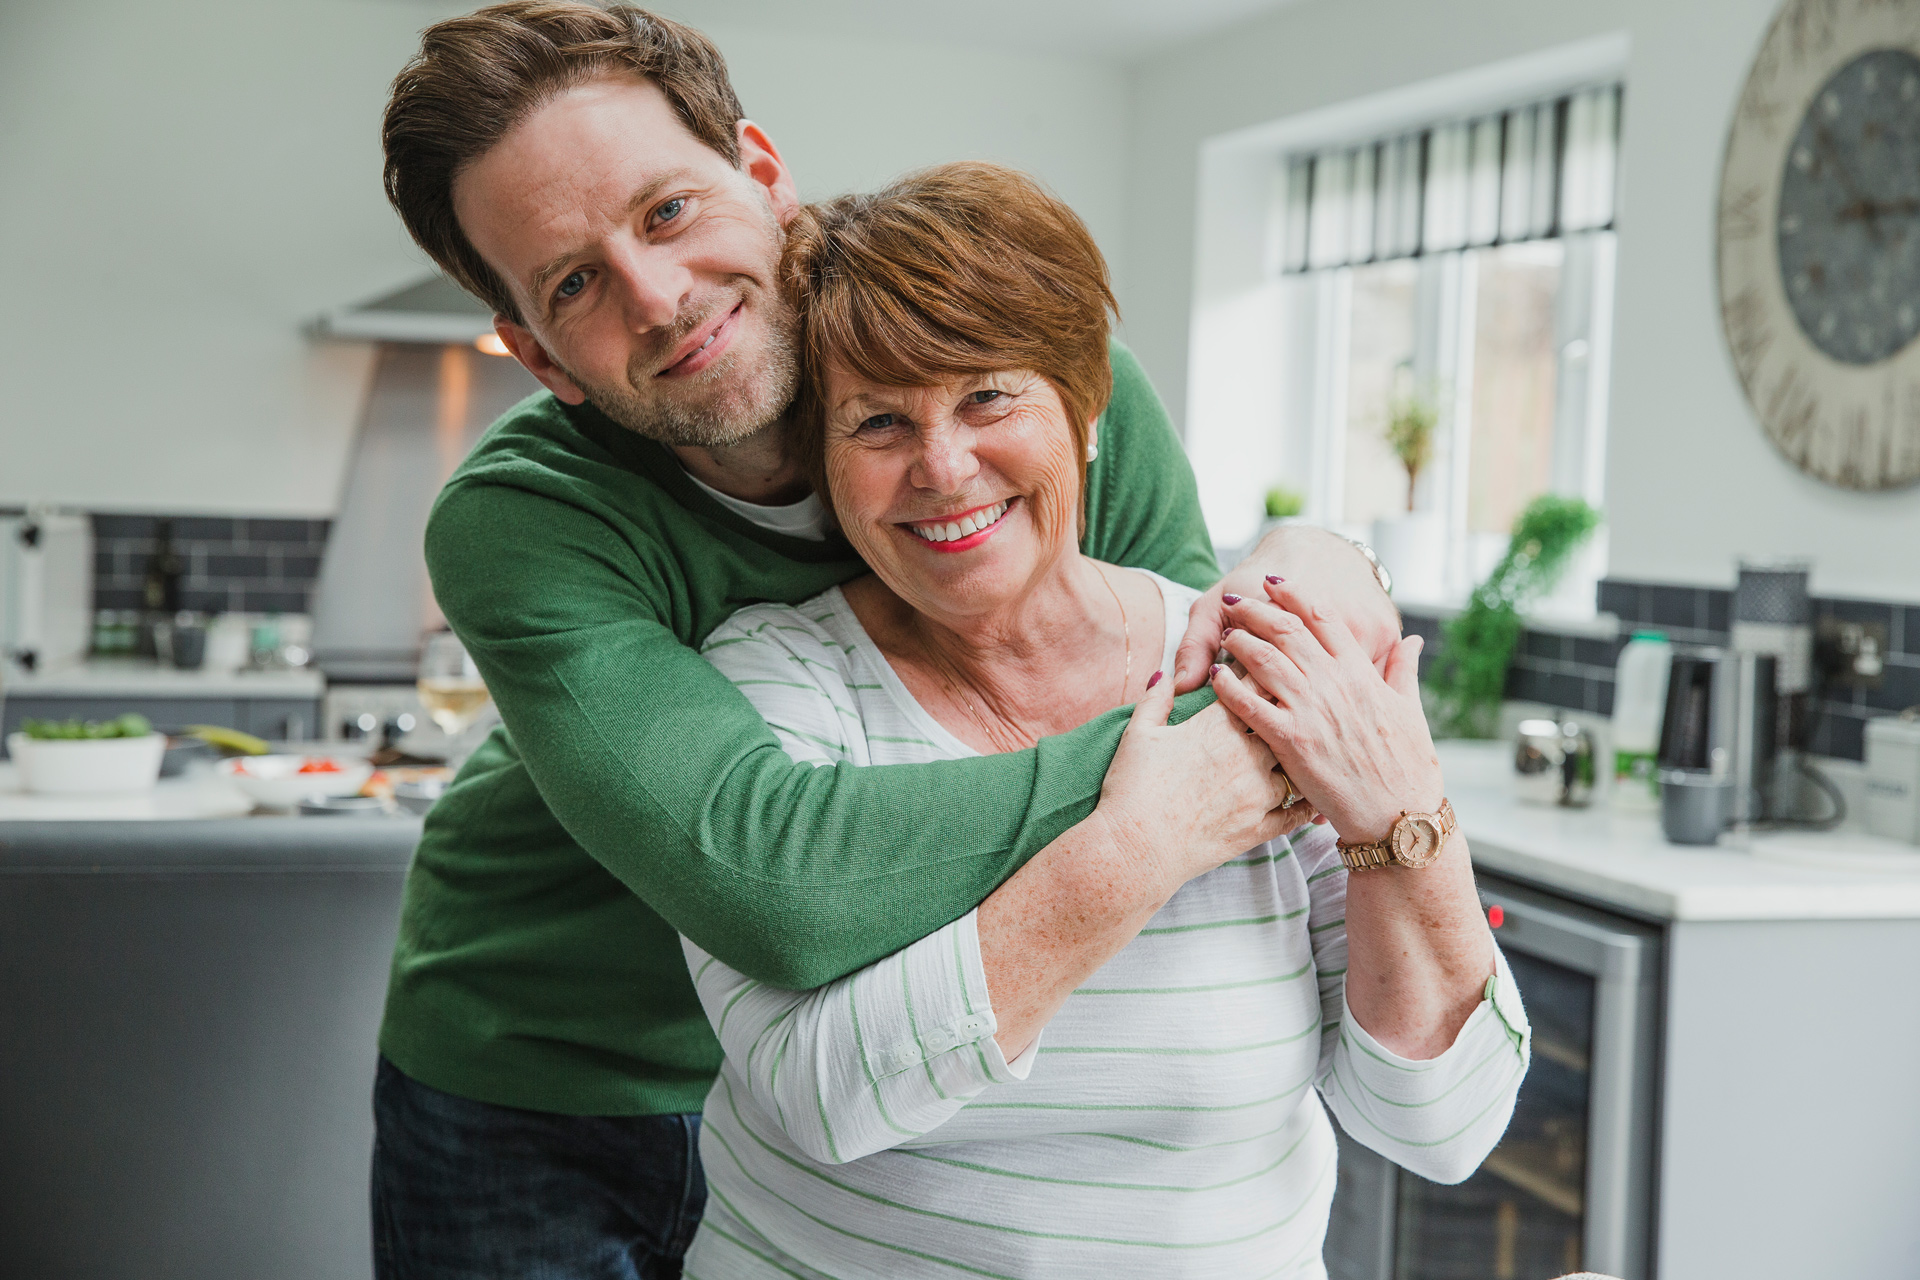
(183, 185)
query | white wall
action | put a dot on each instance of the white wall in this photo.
(1691, 480)
(182, 185)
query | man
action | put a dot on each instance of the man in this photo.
(588, 173)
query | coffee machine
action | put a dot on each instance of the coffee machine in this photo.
(1737, 718)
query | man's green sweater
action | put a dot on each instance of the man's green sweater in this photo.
(633, 793)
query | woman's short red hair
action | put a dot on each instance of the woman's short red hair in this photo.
(955, 270)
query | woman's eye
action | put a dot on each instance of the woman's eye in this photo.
(985, 397)
(878, 422)
(572, 285)
(670, 210)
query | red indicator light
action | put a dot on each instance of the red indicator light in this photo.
(1495, 916)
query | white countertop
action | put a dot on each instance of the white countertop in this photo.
(195, 794)
(132, 678)
(1622, 860)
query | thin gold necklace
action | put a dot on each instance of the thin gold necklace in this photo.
(1027, 739)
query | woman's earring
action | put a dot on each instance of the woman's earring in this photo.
(1093, 450)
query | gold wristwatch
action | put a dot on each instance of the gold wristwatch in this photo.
(1415, 841)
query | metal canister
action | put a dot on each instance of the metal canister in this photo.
(1553, 763)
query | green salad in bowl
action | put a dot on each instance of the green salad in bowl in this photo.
(80, 756)
(127, 726)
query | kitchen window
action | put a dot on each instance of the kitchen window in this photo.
(1461, 274)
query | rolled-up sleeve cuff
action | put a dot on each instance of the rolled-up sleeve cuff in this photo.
(1499, 1017)
(944, 1026)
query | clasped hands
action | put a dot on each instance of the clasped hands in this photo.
(1342, 716)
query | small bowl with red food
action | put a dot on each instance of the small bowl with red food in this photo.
(282, 782)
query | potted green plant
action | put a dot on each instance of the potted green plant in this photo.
(1284, 503)
(1413, 545)
(1469, 673)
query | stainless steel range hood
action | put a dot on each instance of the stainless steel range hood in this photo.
(431, 310)
(430, 397)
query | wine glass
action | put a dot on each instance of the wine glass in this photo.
(450, 685)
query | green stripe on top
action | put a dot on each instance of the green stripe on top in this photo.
(1184, 1051)
(886, 1202)
(1301, 972)
(1241, 923)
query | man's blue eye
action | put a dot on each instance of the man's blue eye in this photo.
(670, 210)
(572, 285)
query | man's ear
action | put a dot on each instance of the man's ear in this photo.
(761, 161)
(527, 350)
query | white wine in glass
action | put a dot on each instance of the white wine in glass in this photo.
(450, 685)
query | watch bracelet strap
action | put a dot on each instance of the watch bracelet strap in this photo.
(1380, 574)
(1364, 855)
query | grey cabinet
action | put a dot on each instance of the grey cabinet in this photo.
(187, 1064)
(276, 719)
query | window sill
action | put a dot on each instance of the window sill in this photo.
(1595, 626)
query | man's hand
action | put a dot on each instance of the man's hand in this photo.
(1327, 565)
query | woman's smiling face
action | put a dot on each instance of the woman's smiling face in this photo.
(961, 495)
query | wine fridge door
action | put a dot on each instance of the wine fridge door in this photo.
(1569, 1186)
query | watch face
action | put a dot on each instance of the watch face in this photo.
(1417, 839)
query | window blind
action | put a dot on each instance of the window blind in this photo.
(1530, 173)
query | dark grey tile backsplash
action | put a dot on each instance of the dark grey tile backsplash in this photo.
(234, 564)
(1576, 673)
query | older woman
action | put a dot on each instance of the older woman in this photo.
(1030, 1092)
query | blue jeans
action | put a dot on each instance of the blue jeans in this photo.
(471, 1190)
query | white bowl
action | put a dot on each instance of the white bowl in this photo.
(275, 782)
(83, 766)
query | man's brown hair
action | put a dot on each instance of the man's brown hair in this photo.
(955, 270)
(478, 76)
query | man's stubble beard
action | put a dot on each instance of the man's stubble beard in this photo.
(742, 403)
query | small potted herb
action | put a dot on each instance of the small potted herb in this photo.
(1412, 546)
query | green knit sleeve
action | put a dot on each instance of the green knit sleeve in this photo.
(1143, 507)
(665, 774)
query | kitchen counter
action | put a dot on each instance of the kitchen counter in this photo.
(133, 678)
(1622, 861)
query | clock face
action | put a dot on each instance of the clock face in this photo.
(1819, 239)
(1849, 219)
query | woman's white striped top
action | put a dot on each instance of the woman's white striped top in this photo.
(1168, 1122)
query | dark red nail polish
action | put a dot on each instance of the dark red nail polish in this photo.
(1230, 598)
(1275, 579)
(1229, 631)
(1154, 679)
(1215, 669)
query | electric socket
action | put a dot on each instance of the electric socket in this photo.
(1850, 655)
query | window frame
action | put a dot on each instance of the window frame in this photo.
(1445, 334)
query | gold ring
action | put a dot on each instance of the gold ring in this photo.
(1293, 795)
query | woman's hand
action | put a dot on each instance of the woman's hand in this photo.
(1184, 798)
(1178, 801)
(1339, 576)
(1354, 741)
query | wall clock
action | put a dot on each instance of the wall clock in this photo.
(1819, 239)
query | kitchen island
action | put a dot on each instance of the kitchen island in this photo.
(192, 1005)
(189, 1047)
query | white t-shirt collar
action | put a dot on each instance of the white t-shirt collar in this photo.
(806, 518)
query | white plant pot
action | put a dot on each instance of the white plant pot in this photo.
(84, 766)
(1414, 550)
